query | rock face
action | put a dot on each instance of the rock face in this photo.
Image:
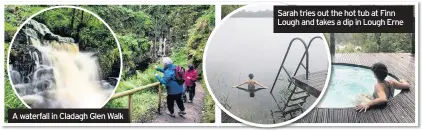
(24, 56)
(33, 33)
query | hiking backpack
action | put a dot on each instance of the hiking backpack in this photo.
(180, 73)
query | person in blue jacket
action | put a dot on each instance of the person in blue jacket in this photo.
(174, 89)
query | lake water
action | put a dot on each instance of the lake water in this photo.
(248, 45)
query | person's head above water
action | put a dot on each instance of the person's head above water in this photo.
(167, 61)
(250, 76)
(380, 71)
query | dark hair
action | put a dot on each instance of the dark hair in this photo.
(191, 67)
(251, 76)
(251, 94)
(380, 71)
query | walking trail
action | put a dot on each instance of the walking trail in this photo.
(193, 110)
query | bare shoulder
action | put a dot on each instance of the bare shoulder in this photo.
(254, 81)
(379, 86)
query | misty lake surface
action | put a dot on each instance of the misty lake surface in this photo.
(248, 45)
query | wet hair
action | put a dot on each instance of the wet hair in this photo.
(251, 94)
(251, 76)
(380, 71)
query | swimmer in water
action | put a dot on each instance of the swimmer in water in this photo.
(251, 86)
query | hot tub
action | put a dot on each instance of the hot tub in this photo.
(347, 83)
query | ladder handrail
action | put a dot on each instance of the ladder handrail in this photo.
(306, 53)
(285, 56)
(303, 56)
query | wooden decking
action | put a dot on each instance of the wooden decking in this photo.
(314, 84)
(225, 118)
(401, 109)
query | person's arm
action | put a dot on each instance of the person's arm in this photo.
(159, 69)
(165, 79)
(382, 98)
(194, 76)
(238, 86)
(259, 89)
(400, 85)
(256, 82)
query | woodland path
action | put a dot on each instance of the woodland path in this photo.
(193, 110)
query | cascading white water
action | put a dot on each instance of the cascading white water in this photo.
(62, 77)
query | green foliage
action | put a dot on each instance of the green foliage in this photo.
(89, 32)
(198, 37)
(227, 9)
(208, 115)
(186, 27)
(11, 101)
(14, 16)
(124, 19)
(134, 49)
(327, 37)
(144, 101)
(367, 42)
(390, 42)
(9, 31)
(348, 48)
(179, 57)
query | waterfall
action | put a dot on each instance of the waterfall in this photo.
(62, 77)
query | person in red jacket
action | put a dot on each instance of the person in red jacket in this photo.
(190, 79)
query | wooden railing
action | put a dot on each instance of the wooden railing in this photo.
(133, 91)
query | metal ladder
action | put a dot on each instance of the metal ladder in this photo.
(297, 96)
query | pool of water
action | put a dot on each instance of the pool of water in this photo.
(346, 84)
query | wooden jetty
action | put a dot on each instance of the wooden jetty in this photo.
(314, 84)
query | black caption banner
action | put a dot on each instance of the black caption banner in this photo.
(68, 116)
(344, 19)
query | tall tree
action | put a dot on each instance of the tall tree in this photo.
(80, 26)
(412, 38)
(378, 41)
(332, 44)
(73, 19)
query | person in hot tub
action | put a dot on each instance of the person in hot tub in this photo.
(384, 90)
(251, 86)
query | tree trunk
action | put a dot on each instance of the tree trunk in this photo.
(332, 44)
(412, 39)
(378, 40)
(78, 34)
(72, 21)
(164, 46)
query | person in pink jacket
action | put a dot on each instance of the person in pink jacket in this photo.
(190, 79)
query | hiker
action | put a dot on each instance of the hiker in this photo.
(384, 90)
(174, 89)
(190, 79)
(251, 86)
